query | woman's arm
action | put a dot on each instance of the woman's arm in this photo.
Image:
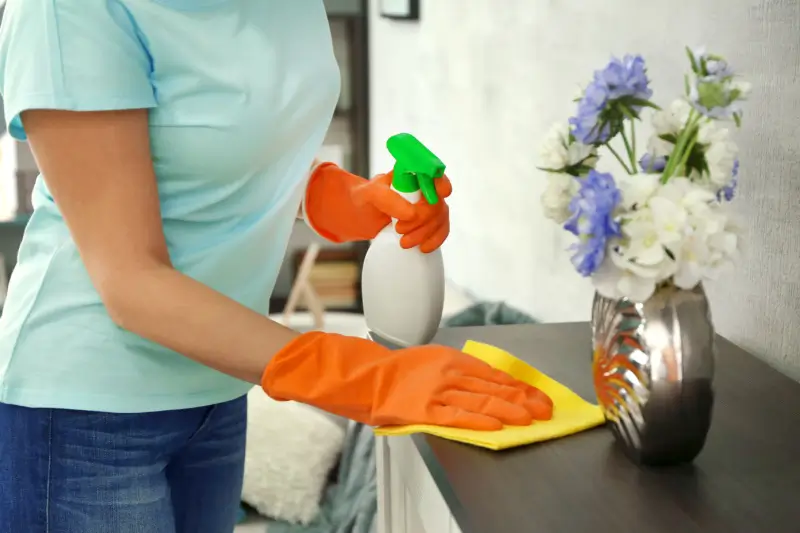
(99, 169)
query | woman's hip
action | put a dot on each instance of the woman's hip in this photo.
(65, 471)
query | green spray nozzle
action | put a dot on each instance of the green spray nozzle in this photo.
(415, 166)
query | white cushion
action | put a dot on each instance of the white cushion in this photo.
(291, 450)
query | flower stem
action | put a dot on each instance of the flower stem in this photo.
(686, 153)
(621, 161)
(628, 147)
(679, 156)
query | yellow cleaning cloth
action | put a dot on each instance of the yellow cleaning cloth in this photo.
(571, 413)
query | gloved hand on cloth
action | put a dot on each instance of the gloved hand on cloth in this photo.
(366, 382)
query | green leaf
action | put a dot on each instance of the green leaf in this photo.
(643, 103)
(578, 171)
(669, 137)
(582, 168)
(691, 59)
(737, 119)
(551, 170)
(711, 95)
(628, 112)
(686, 86)
(696, 159)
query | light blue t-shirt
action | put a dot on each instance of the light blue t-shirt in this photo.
(241, 93)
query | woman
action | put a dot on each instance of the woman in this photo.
(174, 138)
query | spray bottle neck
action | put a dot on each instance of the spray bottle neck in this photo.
(406, 181)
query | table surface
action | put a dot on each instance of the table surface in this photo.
(747, 479)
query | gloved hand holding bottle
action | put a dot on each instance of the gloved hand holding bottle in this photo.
(343, 207)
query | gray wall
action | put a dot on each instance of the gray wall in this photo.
(482, 81)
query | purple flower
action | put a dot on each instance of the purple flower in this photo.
(626, 77)
(713, 92)
(710, 67)
(620, 80)
(652, 164)
(728, 192)
(592, 220)
(588, 255)
(715, 99)
(586, 125)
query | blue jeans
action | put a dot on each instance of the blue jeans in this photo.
(65, 471)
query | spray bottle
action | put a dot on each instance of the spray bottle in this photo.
(403, 290)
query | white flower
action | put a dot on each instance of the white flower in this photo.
(618, 277)
(557, 153)
(687, 193)
(691, 259)
(709, 242)
(704, 254)
(677, 231)
(670, 121)
(669, 219)
(557, 196)
(636, 189)
(720, 153)
(640, 261)
(650, 232)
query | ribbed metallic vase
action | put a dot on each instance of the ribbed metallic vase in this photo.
(653, 367)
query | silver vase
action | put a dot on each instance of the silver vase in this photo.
(653, 366)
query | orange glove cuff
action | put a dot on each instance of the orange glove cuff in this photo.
(330, 211)
(333, 372)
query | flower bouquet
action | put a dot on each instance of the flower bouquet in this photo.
(663, 220)
(647, 236)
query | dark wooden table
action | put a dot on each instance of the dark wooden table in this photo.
(747, 479)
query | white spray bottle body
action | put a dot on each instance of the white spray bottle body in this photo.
(402, 289)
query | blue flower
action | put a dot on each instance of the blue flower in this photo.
(586, 125)
(588, 255)
(622, 79)
(592, 220)
(718, 100)
(729, 191)
(710, 67)
(626, 78)
(714, 92)
(652, 164)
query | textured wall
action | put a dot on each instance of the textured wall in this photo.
(481, 81)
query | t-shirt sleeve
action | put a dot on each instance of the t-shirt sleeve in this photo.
(72, 55)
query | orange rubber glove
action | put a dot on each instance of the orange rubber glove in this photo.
(366, 382)
(343, 207)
